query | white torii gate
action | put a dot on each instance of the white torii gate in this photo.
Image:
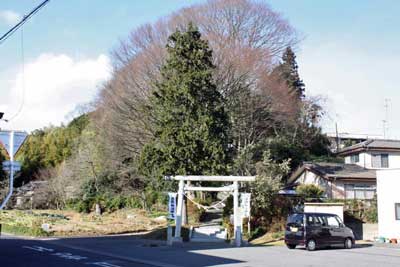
(233, 187)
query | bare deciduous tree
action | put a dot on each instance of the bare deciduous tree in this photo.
(247, 38)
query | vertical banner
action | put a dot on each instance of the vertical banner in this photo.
(245, 199)
(245, 203)
(172, 205)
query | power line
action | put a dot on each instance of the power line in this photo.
(5, 36)
(21, 106)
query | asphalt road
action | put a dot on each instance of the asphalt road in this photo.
(130, 251)
(362, 255)
(31, 253)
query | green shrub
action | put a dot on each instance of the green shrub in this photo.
(133, 202)
(371, 213)
(115, 203)
(310, 191)
(108, 203)
(278, 235)
(82, 206)
(257, 232)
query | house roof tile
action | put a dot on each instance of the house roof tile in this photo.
(371, 144)
(329, 170)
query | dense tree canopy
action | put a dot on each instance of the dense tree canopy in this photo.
(48, 148)
(190, 123)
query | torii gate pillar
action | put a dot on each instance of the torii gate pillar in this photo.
(236, 220)
(179, 208)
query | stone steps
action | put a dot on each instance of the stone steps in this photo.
(208, 233)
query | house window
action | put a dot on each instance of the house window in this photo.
(355, 158)
(397, 209)
(359, 191)
(349, 190)
(380, 160)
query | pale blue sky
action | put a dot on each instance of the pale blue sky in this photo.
(349, 54)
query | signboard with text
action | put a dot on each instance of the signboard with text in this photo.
(245, 203)
(172, 205)
(7, 165)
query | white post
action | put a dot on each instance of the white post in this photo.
(248, 226)
(11, 183)
(236, 220)
(169, 235)
(248, 220)
(184, 213)
(178, 220)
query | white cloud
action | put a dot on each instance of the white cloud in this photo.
(9, 17)
(356, 82)
(54, 86)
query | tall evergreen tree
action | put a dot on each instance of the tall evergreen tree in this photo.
(288, 70)
(191, 125)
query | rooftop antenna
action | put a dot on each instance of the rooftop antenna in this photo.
(337, 138)
(385, 122)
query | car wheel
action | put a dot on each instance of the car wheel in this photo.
(291, 246)
(311, 245)
(348, 243)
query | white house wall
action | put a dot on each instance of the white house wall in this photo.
(394, 160)
(388, 192)
(363, 160)
(366, 162)
(308, 177)
(338, 190)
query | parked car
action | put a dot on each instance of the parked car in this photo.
(314, 230)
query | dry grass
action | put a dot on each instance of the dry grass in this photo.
(71, 223)
(269, 239)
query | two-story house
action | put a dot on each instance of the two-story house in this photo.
(356, 178)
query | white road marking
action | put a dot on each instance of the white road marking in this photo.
(69, 256)
(39, 249)
(103, 264)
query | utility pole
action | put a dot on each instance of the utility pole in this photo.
(337, 138)
(11, 183)
(12, 141)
